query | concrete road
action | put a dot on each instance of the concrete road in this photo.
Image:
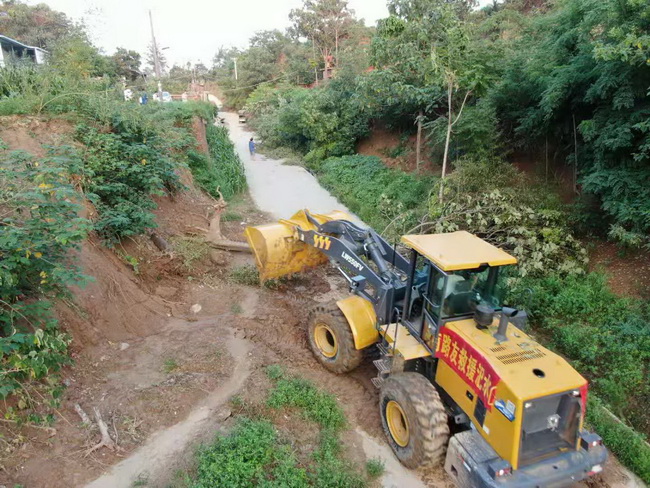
(275, 188)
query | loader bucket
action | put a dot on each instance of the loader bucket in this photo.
(277, 249)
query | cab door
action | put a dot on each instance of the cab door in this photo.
(433, 306)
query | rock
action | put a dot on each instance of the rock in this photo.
(124, 346)
(196, 308)
(218, 257)
(166, 291)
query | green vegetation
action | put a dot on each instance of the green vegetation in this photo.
(170, 365)
(562, 85)
(40, 229)
(630, 447)
(221, 172)
(255, 454)
(380, 196)
(375, 468)
(125, 155)
(587, 322)
(245, 275)
(191, 250)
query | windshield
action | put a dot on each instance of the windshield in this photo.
(461, 291)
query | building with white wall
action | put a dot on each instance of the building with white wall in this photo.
(12, 50)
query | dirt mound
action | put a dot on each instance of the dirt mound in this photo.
(30, 134)
(396, 151)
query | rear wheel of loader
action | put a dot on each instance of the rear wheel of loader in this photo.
(414, 419)
(331, 340)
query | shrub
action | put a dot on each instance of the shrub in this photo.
(630, 447)
(122, 172)
(538, 238)
(40, 227)
(224, 171)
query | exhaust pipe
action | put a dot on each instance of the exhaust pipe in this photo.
(506, 314)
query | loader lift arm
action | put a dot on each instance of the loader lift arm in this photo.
(352, 247)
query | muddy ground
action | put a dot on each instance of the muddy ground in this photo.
(161, 346)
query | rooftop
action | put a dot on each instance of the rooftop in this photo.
(458, 250)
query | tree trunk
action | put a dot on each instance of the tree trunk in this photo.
(449, 125)
(336, 42)
(313, 48)
(575, 160)
(419, 142)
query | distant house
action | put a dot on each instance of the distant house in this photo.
(13, 50)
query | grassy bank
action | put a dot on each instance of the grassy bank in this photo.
(259, 453)
(382, 197)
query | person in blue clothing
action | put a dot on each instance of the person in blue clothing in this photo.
(251, 147)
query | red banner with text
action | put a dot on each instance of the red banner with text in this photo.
(469, 364)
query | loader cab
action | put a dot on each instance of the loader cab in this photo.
(451, 275)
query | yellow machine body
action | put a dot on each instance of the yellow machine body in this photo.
(362, 318)
(492, 381)
(278, 252)
(506, 376)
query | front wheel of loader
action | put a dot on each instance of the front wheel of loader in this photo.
(331, 340)
(414, 419)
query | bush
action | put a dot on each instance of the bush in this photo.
(40, 227)
(122, 171)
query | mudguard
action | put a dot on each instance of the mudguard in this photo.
(362, 318)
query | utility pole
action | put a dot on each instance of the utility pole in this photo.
(156, 60)
(235, 61)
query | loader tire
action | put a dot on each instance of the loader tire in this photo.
(331, 339)
(414, 419)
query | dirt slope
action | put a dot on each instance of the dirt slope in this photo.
(155, 343)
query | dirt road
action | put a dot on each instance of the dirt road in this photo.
(275, 188)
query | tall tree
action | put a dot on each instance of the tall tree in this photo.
(37, 25)
(151, 65)
(325, 23)
(126, 63)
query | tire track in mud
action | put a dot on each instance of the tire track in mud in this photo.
(156, 459)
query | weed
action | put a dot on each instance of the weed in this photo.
(170, 365)
(275, 371)
(252, 455)
(132, 261)
(315, 404)
(236, 308)
(230, 216)
(375, 467)
(191, 250)
(245, 275)
(288, 156)
(237, 401)
(141, 480)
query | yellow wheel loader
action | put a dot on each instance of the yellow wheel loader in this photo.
(453, 359)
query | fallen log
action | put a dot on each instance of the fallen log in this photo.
(227, 245)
